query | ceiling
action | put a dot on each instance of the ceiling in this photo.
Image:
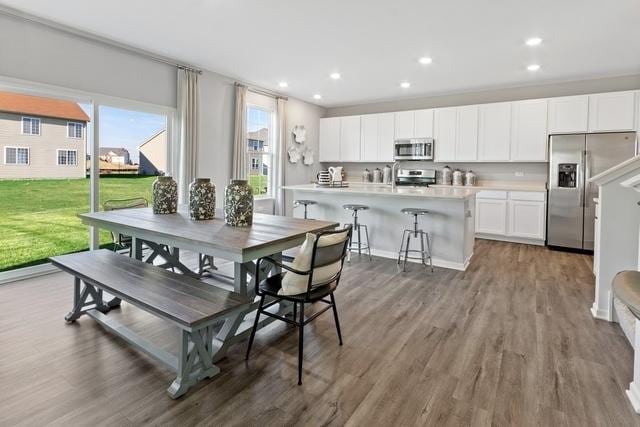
(374, 44)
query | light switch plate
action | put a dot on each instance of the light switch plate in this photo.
(519, 173)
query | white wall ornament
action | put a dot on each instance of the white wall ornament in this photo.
(308, 157)
(299, 134)
(294, 154)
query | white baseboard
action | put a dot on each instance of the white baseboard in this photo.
(436, 262)
(26, 273)
(634, 396)
(511, 239)
(599, 313)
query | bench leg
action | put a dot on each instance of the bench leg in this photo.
(81, 301)
(195, 360)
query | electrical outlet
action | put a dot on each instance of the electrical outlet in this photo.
(519, 173)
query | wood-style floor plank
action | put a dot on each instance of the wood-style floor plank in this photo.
(509, 342)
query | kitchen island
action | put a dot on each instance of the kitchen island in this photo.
(450, 222)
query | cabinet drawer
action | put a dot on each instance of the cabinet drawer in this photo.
(488, 194)
(533, 196)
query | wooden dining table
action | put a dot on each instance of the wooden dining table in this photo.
(166, 234)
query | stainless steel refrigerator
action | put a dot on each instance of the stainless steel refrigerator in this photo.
(573, 160)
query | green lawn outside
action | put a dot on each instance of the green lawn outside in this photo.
(39, 218)
(259, 184)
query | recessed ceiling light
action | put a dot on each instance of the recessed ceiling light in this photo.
(425, 60)
(283, 84)
(317, 96)
(405, 85)
(534, 41)
(533, 67)
(334, 76)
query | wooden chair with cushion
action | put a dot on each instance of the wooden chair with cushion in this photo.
(120, 240)
(313, 276)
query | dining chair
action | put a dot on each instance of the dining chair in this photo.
(321, 279)
(120, 240)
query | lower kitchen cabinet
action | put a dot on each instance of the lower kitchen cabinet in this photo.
(517, 216)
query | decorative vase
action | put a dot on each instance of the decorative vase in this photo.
(202, 199)
(165, 195)
(238, 203)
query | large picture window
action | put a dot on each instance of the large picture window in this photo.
(260, 149)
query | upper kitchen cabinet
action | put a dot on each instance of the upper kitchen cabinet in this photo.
(414, 124)
(423, 126)
(329, 150)
(467, 133)
(611, 111)
(529, 131)
(445, 130)
(377, 135)
(350, 139)
(569, 114)
(494, 141)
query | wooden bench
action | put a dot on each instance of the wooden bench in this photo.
(193, 306)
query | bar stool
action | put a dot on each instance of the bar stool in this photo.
(424, 237)
(304, 203)
(359, 245)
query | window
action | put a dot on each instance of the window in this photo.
(67, 157)
(30, 126)
(74, 129)
(259, 148)
(16, 156)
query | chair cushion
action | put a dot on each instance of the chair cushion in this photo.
(294, 284)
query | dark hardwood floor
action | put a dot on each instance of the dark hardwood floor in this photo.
(510, 341)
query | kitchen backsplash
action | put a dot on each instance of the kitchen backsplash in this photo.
(525, 172)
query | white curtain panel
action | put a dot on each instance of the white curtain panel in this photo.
(281, 153)
(188, 113)
(240, 162)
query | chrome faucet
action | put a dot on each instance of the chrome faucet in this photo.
(393, 175)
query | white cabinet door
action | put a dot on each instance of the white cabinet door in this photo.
(491, 216)
(494, 141)
(467, 133)
(369, 138)
(329, 150)
(423, 126)
(611, 111)
(350, 139)
(529, 131)
(385, 137)
(445, 128)
(526, 219)
(568, 114)
(405, 124)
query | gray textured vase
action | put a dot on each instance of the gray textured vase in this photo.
(238, 203)
(165, 195)
(202, 199)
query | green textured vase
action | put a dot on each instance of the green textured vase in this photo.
(238, 203)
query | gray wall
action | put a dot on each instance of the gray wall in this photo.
(610, 84)
(34, 52)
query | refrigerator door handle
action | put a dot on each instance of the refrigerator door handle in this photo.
(587, 175)
(580, 183)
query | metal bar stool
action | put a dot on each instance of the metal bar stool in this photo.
(359, 245)
(304, 203)
(424, 238)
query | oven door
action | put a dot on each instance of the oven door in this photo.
(411, 149)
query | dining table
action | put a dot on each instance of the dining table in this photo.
(161, 237)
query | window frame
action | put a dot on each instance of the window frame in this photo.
(31, 118)
(66, 150)
(81, 124)
(270, 153)
(17, 148)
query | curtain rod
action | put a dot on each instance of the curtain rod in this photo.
(15, 13)
(261, 91)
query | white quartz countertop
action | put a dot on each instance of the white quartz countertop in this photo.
(446, 192)
(502, 186)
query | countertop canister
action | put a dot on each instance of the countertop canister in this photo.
(238, 203)
(447, 175)
(457, 177)
(470, 178)
(377, 175)
(202, 199)
(366, 175)
(386, 174)
(165, 195)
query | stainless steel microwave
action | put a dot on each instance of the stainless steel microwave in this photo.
(413, 149)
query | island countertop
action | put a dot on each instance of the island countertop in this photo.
(386, 190)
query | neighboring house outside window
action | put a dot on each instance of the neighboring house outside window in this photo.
(16, 156)
(67, 157)
(30, 126)
(74, 129)
(260, 122)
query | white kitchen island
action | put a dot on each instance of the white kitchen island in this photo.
(450, 223)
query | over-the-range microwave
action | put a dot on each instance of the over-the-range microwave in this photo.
(413, 149)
